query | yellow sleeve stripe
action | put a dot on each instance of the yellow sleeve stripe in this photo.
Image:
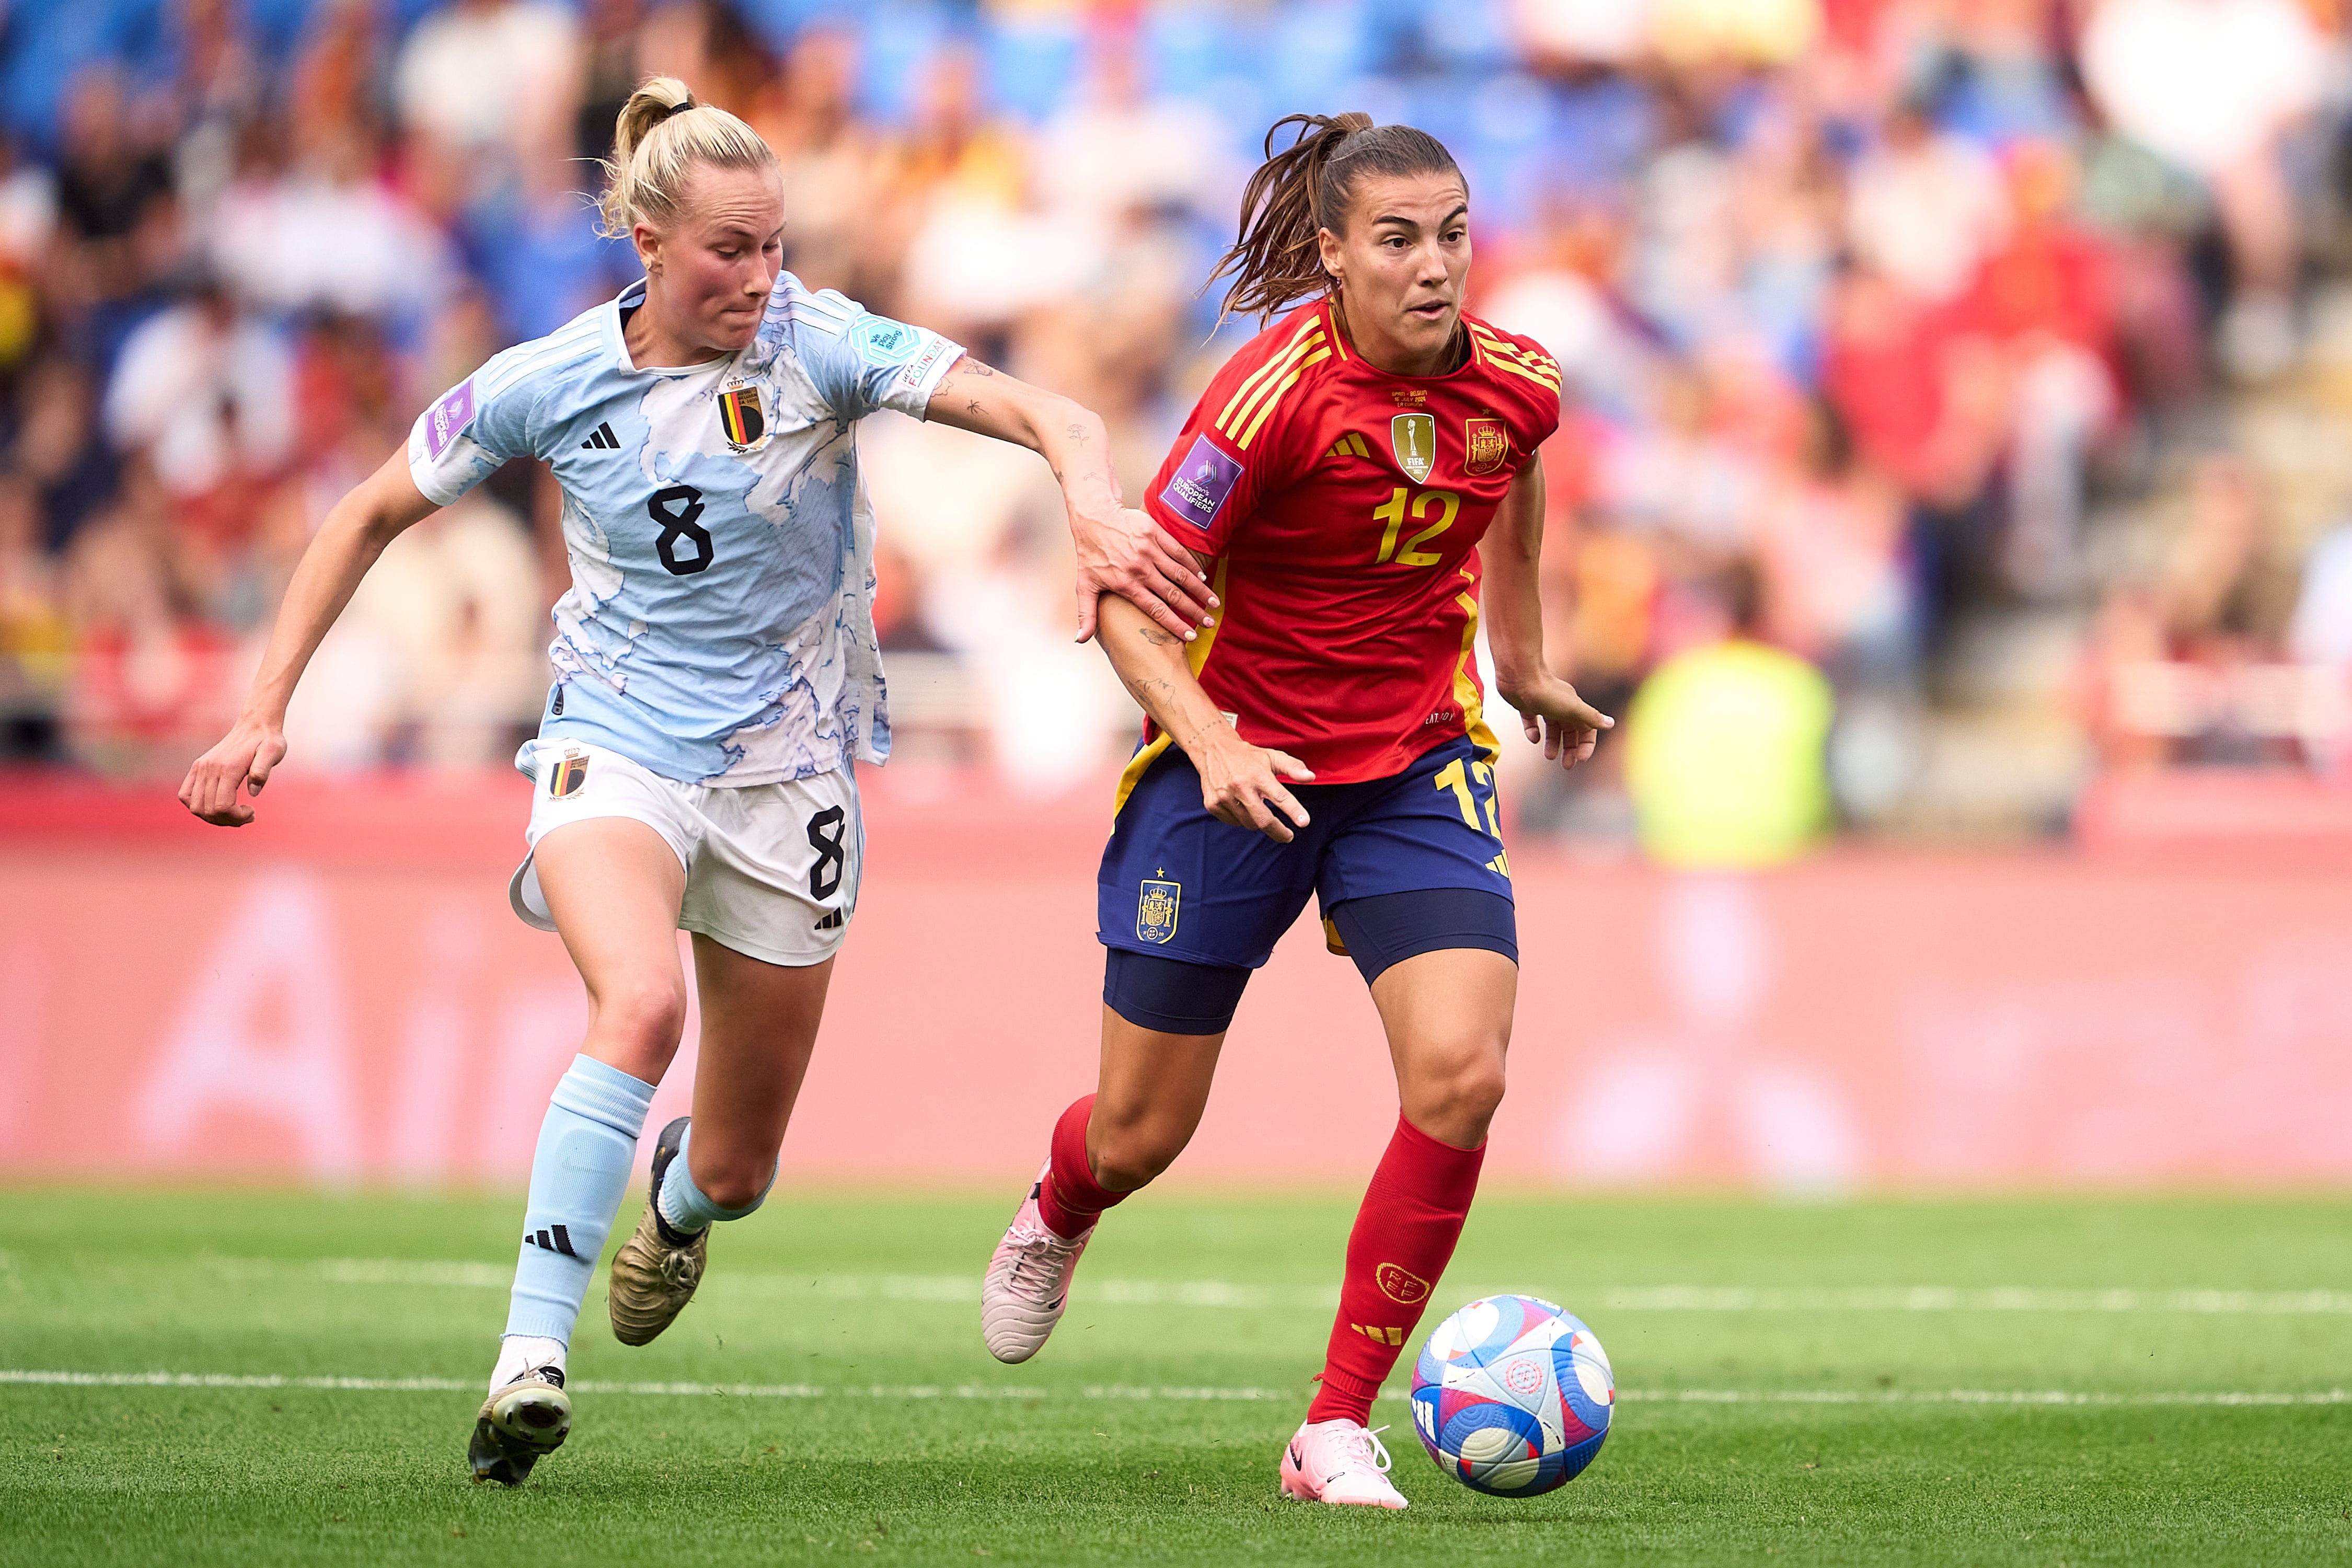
(1548, 383)
(1279, 374)
(1266, 371)
(1268, 407)
(1508, 355)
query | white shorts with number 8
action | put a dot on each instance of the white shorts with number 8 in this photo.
(771, 870)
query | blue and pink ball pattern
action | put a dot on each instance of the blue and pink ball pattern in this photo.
(1512, 1396)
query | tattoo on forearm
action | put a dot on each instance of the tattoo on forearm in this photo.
(1077, 433)
(976, 367)
(971, 406)
(1154, 635)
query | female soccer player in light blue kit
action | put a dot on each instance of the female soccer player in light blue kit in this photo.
(716, 678)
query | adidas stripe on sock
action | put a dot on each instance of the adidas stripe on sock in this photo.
(586, 1146)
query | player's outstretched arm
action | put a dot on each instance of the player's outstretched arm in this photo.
(354, 533)
(1120, 550)
(1551, 711)
(1240, 784)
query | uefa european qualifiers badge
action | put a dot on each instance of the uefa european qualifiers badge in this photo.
(742, 419)
(1201, 482)
(570, 772)
(1413, 439)
(1156, 910)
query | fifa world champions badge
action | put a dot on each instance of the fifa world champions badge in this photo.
(1485, 446)
(1156, 911)
(1413, 439)
(740, 417)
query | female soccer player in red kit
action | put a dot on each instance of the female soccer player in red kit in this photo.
(1337, 480)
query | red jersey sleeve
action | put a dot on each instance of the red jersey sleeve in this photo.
(1519, 369)
(1233, 447)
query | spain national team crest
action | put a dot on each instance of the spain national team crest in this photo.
(1485, 446)
(1156, 910)
(570, 772)
(1401, 1285)
(1413, 437)
(740, 419)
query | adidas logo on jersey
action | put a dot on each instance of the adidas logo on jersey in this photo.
(832, 922)
(601, 439)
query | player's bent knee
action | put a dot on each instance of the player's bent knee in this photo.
(1455, 1104)
(644, 1016)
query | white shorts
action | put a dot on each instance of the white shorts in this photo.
(771, 870)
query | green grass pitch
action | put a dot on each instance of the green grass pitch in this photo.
(1782, 1402)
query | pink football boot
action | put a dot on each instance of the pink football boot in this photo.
(1028, 1281)
(1339, 1462)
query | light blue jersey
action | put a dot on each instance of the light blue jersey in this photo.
(720, 628)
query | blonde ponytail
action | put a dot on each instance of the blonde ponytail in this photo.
(661, 137)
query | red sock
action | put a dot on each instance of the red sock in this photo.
(1069, 1199)
(1404, 1236)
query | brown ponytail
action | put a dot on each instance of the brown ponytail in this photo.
(1307, 188)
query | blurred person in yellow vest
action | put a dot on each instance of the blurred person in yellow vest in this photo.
(1724, 747)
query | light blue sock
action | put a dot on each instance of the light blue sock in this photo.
(586, 1146)
(683, 1205)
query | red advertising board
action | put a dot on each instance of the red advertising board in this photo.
(340, 994)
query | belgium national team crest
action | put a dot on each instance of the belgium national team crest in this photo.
(1156, 909)
(570, 772)
(1485, 446)
(1413, 439)
(740, 419)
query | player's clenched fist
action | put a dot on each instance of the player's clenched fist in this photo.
(242, 761)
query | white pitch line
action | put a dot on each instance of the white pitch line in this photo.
(1220, 1295)
(2028, 1397)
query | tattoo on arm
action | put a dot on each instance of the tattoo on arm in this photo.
(976, 367)
(971, 406)
(1077, 433)
(1154, 635)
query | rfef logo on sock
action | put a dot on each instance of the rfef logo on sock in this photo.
(1402, 1286)
(1199, 490)
(450, 416)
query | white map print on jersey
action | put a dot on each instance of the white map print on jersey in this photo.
(720, 624)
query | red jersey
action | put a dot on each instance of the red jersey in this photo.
(1343, 507)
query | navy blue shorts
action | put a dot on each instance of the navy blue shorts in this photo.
(1177, 883)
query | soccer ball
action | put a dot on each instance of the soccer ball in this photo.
(1512, 1396)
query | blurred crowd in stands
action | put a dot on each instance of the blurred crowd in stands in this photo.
(1866, 308)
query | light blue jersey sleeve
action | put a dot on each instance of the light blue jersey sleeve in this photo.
(487, 418)
(860, 362)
